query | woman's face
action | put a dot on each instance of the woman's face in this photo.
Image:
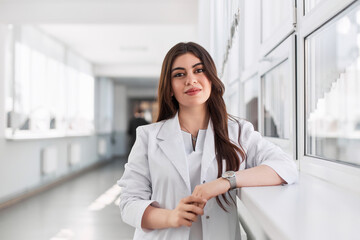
(189, 83)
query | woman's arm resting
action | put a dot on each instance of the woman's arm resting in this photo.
(257, 176)
(261, 175)
(184, 214)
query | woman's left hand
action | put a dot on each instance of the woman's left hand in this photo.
(212, 189)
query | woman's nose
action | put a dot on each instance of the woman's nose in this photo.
(191, 79)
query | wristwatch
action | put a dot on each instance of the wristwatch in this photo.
(230, 176)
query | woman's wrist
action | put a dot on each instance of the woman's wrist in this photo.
(224, 185)
(156, 218)
(168, 219)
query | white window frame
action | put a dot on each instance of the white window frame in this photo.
(285, 30)
(285, 51)
(341, 174)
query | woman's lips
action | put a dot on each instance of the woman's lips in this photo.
(193, 91)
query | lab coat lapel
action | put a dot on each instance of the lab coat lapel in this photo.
(172, 144)
(208, 151)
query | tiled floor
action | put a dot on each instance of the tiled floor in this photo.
(62, 213)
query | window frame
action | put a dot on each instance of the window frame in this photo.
(284, 51)
(341, 174)
(282, 33)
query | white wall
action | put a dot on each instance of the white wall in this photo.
(122, 93)
(134, 92)
(120, 120)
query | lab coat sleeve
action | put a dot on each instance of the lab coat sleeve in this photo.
(261, 151)
(136, 183)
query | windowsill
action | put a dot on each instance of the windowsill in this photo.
(309, 209)
(28, 135)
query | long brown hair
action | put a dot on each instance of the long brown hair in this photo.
(168, 106)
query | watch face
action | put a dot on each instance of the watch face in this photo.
(228, 174)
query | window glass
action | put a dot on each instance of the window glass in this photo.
(20, 115)
(45, 95)
(251, 33)
(311, 4)
(274, 14)
(277, 101)
(233, 104)
(251, 99)
(333, 89)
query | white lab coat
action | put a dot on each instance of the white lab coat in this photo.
(157, 174)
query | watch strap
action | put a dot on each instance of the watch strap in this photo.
(232, 181)
(231, 177)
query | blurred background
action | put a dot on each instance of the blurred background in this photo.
(75, 73)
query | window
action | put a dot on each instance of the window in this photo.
(251, 33)
(276, 104)
(311, 4)
(277, 23)
(48, 96)
(332, 89)
(233, 99)
(251, 100)
(274, 14)
(277, 119)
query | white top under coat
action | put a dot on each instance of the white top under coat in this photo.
(194, 162)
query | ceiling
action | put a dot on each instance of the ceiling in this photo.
(124, 39)
(123, 50)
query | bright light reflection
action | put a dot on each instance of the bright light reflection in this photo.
(105, 199)
(344, 25)
(64, 234)
(358, 17)
(117, 202)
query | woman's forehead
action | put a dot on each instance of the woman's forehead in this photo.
(185, 59)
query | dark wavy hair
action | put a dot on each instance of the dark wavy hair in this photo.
(168, 106)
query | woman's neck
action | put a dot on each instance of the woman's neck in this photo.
(193, 119)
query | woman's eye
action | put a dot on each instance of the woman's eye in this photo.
(200, 70)
(178, 75)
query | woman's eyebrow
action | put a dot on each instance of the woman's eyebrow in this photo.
(200, 63)
(180, 68)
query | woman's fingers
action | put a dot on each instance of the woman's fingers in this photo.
(194, 209)
(193, 200)
(187, 211)
(190, 216)
(185, 222)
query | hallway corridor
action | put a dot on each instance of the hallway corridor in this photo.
(64, 212)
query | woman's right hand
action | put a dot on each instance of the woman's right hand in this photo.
(186, 211)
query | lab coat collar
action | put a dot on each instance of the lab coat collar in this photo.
(208, 151)
(172, 145)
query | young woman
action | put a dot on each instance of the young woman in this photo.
(181, 173)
